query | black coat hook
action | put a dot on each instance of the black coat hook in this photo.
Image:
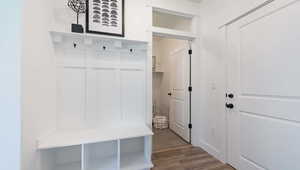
(74, 45)
(104, 48)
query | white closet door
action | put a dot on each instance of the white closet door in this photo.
(264, 125)
(179, 115)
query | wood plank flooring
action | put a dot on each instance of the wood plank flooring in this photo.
(165, 139)
(186, 158)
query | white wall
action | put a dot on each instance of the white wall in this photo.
(138, 18)
(215, 13)
(10, 48)
(38, 79)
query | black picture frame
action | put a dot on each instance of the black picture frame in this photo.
(101, 32)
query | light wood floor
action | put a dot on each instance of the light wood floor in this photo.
(166, 139)
(186, 158)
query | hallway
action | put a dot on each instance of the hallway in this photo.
(187, 158)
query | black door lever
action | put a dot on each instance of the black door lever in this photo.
(231, 96)
(229, 105)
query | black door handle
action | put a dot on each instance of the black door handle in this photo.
(170, 94)
(229, 105)
(231, 96)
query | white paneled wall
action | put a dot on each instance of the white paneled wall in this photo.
(71, 97)
(132, 96)
(102, 97)
(99, 85)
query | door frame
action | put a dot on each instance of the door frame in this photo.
(190, 42)
(192, 37)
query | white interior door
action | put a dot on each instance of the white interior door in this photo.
(263, 75)
(179, 115)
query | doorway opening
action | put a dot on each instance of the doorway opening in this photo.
(171, 78)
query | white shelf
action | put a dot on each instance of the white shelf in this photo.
(134, 161)
(58, 36)
(121, 67)
(78, 137)
(165, 32)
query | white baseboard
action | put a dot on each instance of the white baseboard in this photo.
(212, 151)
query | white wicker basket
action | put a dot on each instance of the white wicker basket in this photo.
(161, 122)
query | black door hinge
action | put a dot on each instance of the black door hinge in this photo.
(190, 52)
(190, 126)
(190, 88)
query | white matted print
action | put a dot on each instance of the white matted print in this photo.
(105, 17)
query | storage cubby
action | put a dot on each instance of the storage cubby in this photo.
(135, 154)
(102, 156)
(65, 158)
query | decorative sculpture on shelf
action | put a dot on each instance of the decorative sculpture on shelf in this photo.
(79, 7)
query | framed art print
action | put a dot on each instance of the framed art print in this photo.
(105, 17)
